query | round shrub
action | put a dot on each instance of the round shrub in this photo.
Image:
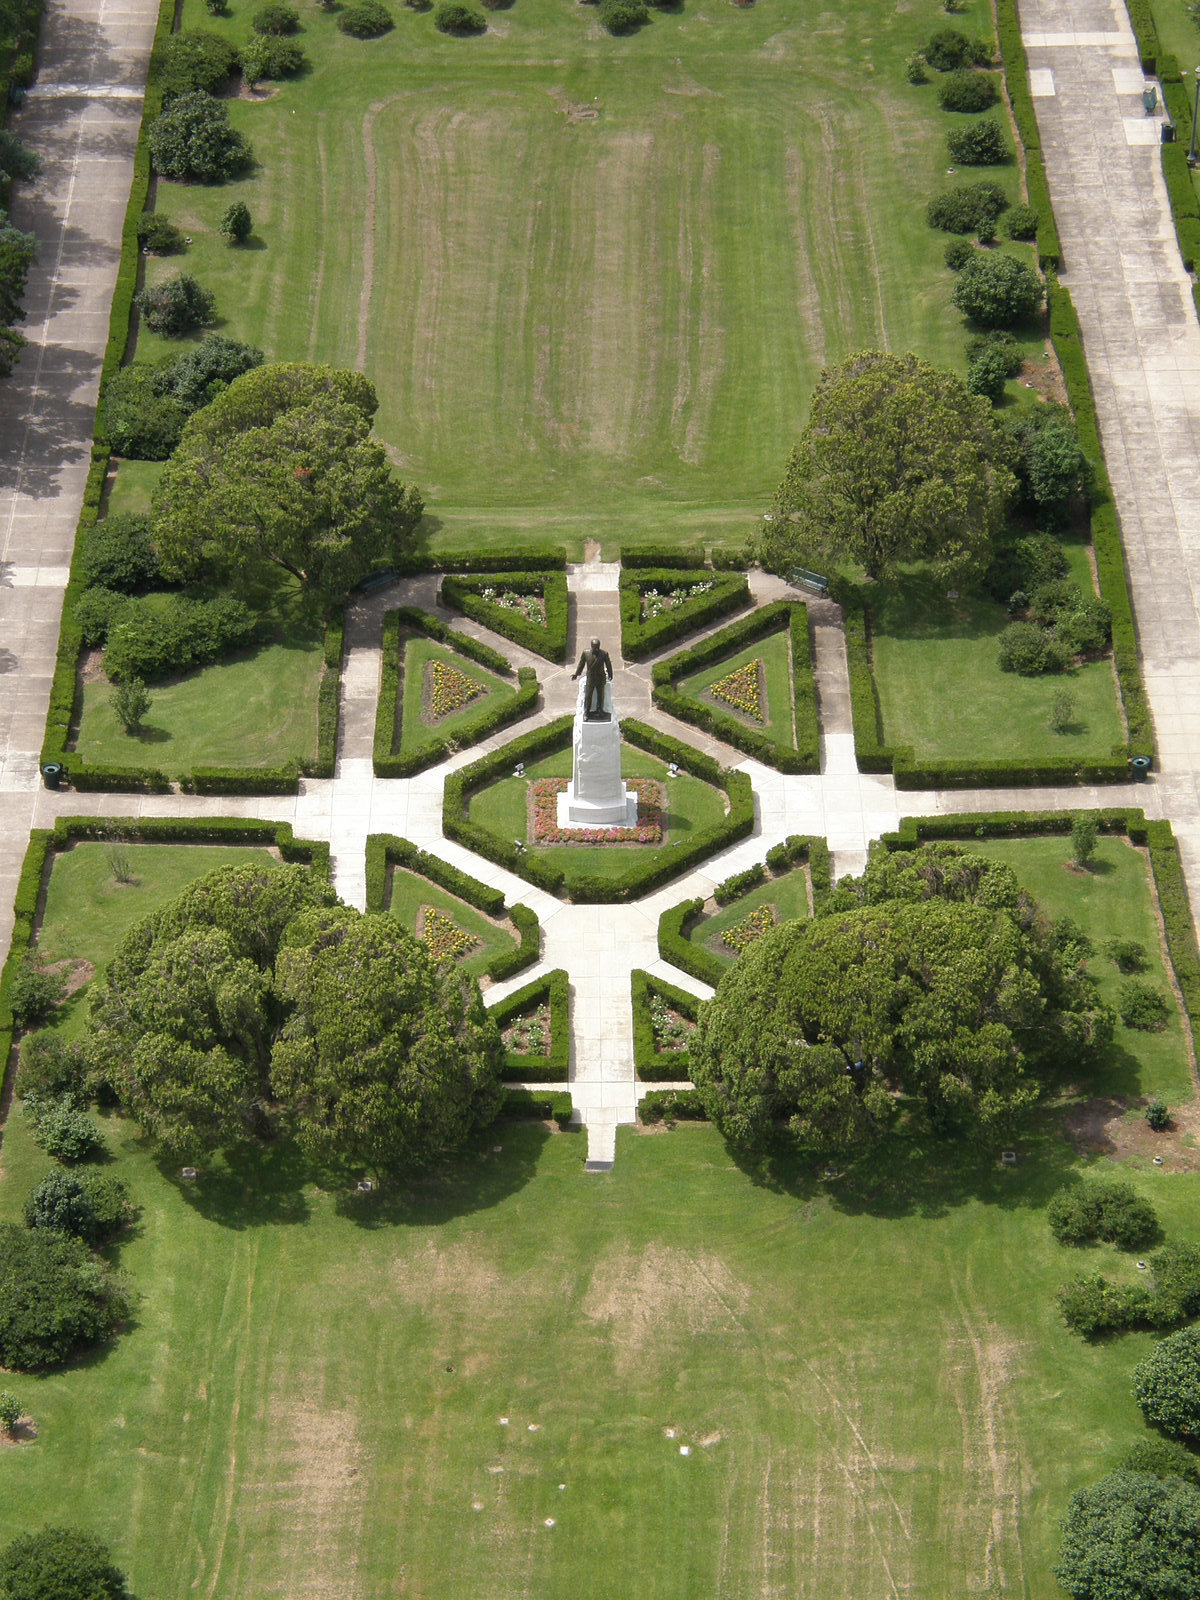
(1001, 346)
(968, 90)
(1029, 650)
(160, 641)
(60, 1202)
(176, 306)
(1163, 1458)
(11, 1412)
(269, 58)
(197, 378)
(454, 17)
(914, 68)
(237, 223)
(1127, 955)
(192, 140)
(59, 1564)
(987, 375)
(1167, 1384)
(191, 60)
(978, 144)
(157, 235)
(63, 1130)
(1086, 629)
(50, 1069)
(55, 1298)
(1114, 1212)
(140, 422)
(96, 612)
(1142, 1005)
(957, 253)
(368, 20)
(968, 208)
(1021, 223)
(34, 993)
(275, 18)
(118, 555)
(1132, 1536)
(1158, 1115)
(997, 291)
(623, 16)
(948, 49)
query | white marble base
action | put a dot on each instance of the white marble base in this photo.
(576, 813)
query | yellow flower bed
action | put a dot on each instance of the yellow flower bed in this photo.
(741, 690)
(743, 934)
(446, 940)
(450, 689)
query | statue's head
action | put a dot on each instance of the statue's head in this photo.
(595, 644)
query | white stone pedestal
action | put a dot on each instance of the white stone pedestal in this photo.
(597, 796)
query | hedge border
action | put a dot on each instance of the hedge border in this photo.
(650, 1064)
(640, 639)
(662, 555)
(43, 842)
(798, 849)
(463, 594)
(1158, 838)
(672, 1105)
(1016, 84)
(647, 872)
(542, 558)
(390, 763)
(554, 986)
(542, 1107)
(386, 850)
(805, 755)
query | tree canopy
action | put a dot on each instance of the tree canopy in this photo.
(898, 462)
(55, 1296)
(1132, 1536)
(253, 1002)
(281, 473)
(1167, 1384)
(932, 978)
(59, 1564)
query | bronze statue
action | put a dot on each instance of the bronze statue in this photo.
(597, 664)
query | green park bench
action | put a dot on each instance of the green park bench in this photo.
(812, 581)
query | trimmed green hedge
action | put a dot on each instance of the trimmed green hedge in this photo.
(806, 756)
(464, 594)
(647, 871)
(517, 558)
(639, 639)
(328, 701)
(1016, 82)
(526, 1103)
(672, 1105)
(651, 1063)
(137, 830)
(674, 945)
(662, 555)
(388, 849)
(553, 987)
(387, 762)
(1157, 837)
(1146, 32)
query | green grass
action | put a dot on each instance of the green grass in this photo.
(502, 808)
(776, 656)
(258, 710)
(418, 653)
(942, 692)
(131, 485)
(408, 893)
(605, 328)
(88, 912)
(789, 895)
(1114, 899)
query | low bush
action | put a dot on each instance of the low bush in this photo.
(1163, 1458)
(476, 598)
(141, 423)
(978, 144)
(662, 555)
(366, 20)
(623, 16)
(56, 1298)
(157, 235)
(966, 208)
(192, 140)
(1029, 650)
(1094, 1305)
(1158, 1115)
(176, 306)
(1114, 1212)
(957, 253)
(968, 90)
(91, 1208)
(741, 883)
(1143, 1006)
(1127, 955)
(997, 291)
(63, 1129)
(51, 1069)
(59, 1564)
(205, 371)
(190, 60)
(236, 223)
(455, 18)
(268, 59)
(34, 993)
(1021, 223)
(157, 641)
(11, 1412)
(275, 19)
(947, 49)
(672, 1105)
(1167, 1384)
(988, 374)
(674, 945)
(96, 611)
(914, 68)
(533, 1103)
(17, 160)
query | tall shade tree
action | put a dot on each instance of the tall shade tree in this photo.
(59, 1564)
(1132, 1536)
(282, 474)
(941, 985)
(388, 1058)
(899, 462)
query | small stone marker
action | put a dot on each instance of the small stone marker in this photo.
(1158, 1161)
(534, 1426)
(1142, 1265)
(504, 1422)
(1009, 1157)
(189, 1173)
(685, 1449)
(549, 1522)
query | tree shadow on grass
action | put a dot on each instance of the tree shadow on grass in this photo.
(246, 1187)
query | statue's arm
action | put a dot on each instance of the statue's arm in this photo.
(580, 667)
(608, 664)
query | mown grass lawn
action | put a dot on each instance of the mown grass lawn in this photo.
(415, 730)
(256, 710)
(942, 692)
(408, 893)
(502, 808)
(775, 654)
(594, 279)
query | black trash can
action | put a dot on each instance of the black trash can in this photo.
(1168, 133)
(52, 774)
(1140, 765)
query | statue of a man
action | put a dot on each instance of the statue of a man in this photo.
(598, 665)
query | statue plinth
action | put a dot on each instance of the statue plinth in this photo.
(597, 796)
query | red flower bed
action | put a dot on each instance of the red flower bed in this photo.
(650, 824)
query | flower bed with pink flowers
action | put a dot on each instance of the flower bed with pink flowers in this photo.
(651, 823)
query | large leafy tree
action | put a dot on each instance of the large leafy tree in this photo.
(933, 979)
(388, 1057)
(55, 1298)
(899, 462)
(1132, 1536)
(253, 1001)
(1167, 1384)
(59, 1564)
(282, 474)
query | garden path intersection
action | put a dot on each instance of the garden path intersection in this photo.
(1143, 345)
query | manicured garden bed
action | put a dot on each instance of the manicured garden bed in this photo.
(411, 896)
